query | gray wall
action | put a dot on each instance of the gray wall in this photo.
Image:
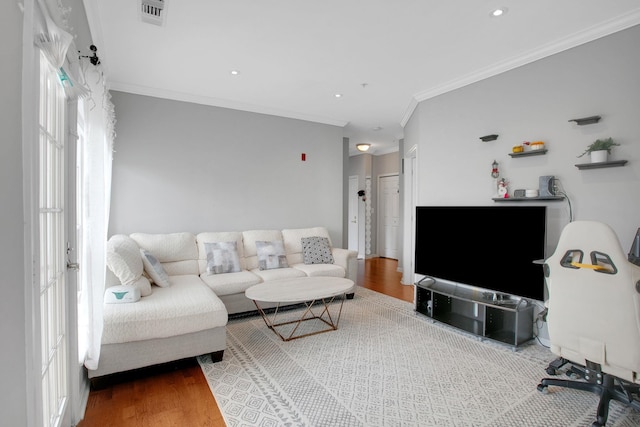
(535, 102)
(13, 409)
(187, 167)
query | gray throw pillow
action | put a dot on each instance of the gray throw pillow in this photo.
(271, 255)
(316, 250)
(154, 269)
(222, 257)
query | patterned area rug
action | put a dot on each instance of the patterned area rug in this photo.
(386, 365)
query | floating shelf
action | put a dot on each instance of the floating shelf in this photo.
(529, 153)
(488, 138)
(586, 120)
(599, 165)
(528, 199)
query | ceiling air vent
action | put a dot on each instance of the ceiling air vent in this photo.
(152, 11)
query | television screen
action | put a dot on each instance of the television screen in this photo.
(491, 247)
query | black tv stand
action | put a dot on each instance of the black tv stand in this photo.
(499, 317)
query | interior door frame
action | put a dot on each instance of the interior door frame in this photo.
(410, 186)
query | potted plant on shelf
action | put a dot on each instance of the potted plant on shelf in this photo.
(600, 150)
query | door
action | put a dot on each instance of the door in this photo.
(353, 214)
(389, 216)
(52, 323)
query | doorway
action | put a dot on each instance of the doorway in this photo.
(388, 216)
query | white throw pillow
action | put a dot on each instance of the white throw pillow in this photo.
(316, 250)
(222, 257)
(271, 255)
(123, 259)
(154, 269)
(144, 285)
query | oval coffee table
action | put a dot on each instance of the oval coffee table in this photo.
(312, 291)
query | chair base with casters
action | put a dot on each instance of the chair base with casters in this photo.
(607, 386)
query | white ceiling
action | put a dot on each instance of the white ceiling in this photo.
(293, 56)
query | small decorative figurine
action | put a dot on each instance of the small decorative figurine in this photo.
(494, 170)
(502, 189)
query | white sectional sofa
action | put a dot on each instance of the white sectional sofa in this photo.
(187, 293)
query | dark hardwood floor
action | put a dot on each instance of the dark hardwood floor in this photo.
(178, 394)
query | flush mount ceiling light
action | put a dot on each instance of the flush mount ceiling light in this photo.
(363, 147)
(235, 72)
(338, 95)
(499, 12)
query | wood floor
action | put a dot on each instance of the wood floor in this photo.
(178, 394)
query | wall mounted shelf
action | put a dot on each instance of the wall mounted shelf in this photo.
(488, 138)
(600, 165)
(586, 120)
(528, 199)
(529, 153)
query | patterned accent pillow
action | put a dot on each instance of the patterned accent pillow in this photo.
(154, 269)
(222, 257)
(316, 250)
(271, 255)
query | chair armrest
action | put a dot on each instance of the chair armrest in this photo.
(348, 260)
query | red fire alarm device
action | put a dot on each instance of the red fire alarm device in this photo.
(304, 157)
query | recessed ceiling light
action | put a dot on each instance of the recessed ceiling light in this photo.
(377, 128)
(338, 95)
(235, 72)
(499, 12)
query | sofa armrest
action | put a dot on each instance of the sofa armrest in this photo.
(348, 260)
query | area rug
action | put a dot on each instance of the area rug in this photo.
(387, 365)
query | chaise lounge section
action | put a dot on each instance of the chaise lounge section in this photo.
(190, 283)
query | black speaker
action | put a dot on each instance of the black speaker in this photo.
(547, 186)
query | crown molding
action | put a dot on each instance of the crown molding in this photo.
(413, 103)
(576, 39)
(223, 103)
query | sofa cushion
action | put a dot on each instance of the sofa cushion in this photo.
(213, 237)
(230, 283)
(278, 273)
(184, 307)
(271, 254)
(123, 259)
(316, 250)
(249, 239)
(293, 241)
(154, 269)
(168, 247)
(222, 257)
(313, 270)
(125, 262)
(144, 285)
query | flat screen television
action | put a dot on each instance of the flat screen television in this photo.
(490, 247)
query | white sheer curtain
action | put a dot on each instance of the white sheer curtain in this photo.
(96, 189)
(58, 47)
